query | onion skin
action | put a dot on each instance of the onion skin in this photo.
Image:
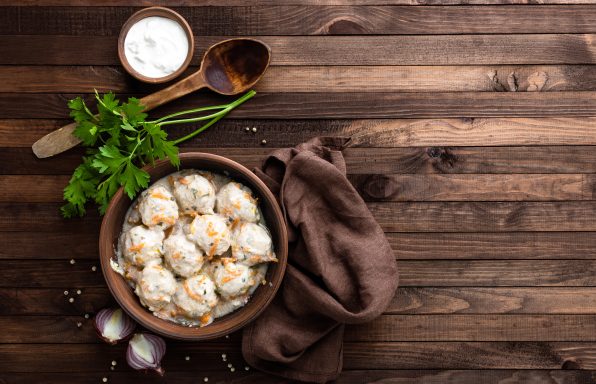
(103, 317)
(158, 351)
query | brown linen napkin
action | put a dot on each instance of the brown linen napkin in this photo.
(341, 268)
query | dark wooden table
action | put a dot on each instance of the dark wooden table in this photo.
(473, 146)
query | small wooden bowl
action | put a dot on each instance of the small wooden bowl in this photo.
(111, 227)
(148, 12)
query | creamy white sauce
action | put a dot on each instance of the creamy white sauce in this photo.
(234, 283)
(156, 46)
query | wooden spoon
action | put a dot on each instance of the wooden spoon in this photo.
(228, 67)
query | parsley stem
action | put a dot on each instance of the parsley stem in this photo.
(210, 108)
(192, 119)
(217, 116)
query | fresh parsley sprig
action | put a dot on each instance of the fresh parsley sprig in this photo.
(120, 141)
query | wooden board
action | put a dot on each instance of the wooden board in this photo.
(473, 127)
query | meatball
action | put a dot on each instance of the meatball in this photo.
(218, 180)
(143, 245)
(232, 279)
(156, 287)
(182, 255)
(211, 233)
(252, 244)
(195, 296)
(195, 194)
(158, 207)
(236, 201)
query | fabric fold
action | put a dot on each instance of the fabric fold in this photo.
(341, 269)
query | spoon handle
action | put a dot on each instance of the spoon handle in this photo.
(62, 139)
(185, 86)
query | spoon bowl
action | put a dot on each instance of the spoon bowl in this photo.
(228, 67)
(233, 66)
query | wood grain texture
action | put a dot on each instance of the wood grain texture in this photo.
(364, 133)
(53, 301)
(378, 187)
(348, 376)
(406, 246)
(392, 216)
(344, 105)
(387, 187)
(407, 301)
(230, 3)
(360, 161)
(287, 79)
(486, 195)
(473, 300)
(413, 273)
(55, 245)
(387, 328)
(470, 355)
(467, 328)
(331, 50)
(485, 216)
(503, 245)
(311, 20)
(74, 358)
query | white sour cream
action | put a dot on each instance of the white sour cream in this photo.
(156, 46)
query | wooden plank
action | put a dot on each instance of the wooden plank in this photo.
(286, 79)
(53, 301)
(387, 328)
(406, 246)
(488, 273)
(51, 274)
(470, 355)
(472, 300)
(312, 20)
(239, 3)
(431, 160)
(345, 105)
(347, 377)
(407, 301)
(223, 375)
(378, 187)
(393, 217)
(413, 273)
(503, 245)
(331, 50)
(458, 328)
(364, 133)
(393, 187)
(485, 216)
(82, 244)
(39, 217)
(205, 356)
(74, 358)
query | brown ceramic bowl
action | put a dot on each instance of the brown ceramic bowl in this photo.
(162, 12)
(123, 293)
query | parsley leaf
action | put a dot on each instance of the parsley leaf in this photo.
(119, 142)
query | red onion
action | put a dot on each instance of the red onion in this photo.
(113, 325)
(145, 352)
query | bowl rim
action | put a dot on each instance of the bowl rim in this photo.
(142, 315)
(148, 12)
